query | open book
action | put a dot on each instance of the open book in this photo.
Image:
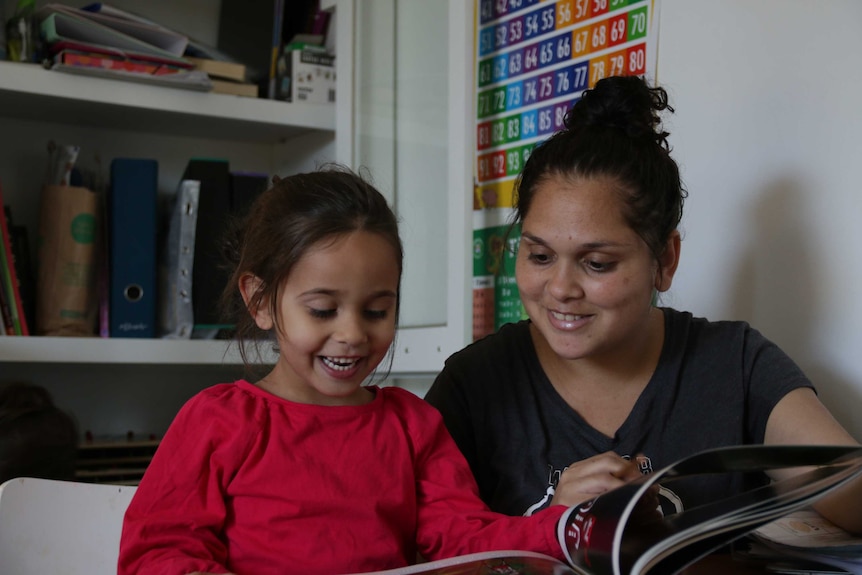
(805, 538)
(621, 532)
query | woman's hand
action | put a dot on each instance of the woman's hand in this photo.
(589, 478)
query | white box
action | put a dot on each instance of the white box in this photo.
(306, 75)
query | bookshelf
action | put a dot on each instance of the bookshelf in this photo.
(116, 385)
(79, 350)
(29, 92)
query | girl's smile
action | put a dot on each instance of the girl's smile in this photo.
(336, 320)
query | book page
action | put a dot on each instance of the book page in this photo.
(488, 563)
(615, 533)
(808, 529)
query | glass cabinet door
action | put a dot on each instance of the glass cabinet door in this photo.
(408, 123)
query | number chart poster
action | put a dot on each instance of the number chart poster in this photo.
(534, 60)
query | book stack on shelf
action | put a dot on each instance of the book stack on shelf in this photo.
(226, 77)
(111, 45)
(100, 40)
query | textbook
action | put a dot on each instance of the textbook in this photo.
(621, 532)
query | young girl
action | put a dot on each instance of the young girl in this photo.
(601, 385)
(307, 470)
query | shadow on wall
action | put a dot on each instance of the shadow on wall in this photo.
(776, 289)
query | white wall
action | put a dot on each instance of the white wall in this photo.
(767, 134)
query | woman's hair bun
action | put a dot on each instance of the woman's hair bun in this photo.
(624, 103)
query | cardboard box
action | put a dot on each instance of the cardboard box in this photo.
(306, 74)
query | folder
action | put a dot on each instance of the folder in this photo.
(176, 316)
(63, 28)
(245, 187)
(132, 207)
(209, 276)
(149, 32)
(193, 47)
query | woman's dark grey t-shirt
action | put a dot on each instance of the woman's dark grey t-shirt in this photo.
(715, 385)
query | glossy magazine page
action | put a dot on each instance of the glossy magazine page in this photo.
(622, 532)
(489, 563)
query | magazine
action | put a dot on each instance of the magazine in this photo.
(622, 532)
(806, 536)
(489, 563)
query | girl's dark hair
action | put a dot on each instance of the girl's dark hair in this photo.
(294, 214)
(37, 438)
(614, 131)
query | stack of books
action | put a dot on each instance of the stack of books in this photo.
(99, 40)
(226, 77)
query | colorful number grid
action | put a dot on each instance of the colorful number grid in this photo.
(535, 58)
(599, 35)
(563, 12)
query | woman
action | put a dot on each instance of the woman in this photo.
(600, 384)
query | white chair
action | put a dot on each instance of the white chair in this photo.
(50, 527)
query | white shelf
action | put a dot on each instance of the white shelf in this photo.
(29, 91)
(42, 349)
(415, 348)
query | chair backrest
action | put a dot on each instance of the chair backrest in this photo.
(50, 527)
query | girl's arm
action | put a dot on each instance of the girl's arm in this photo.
(452, 518)
(800, 418)
(174, 523)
